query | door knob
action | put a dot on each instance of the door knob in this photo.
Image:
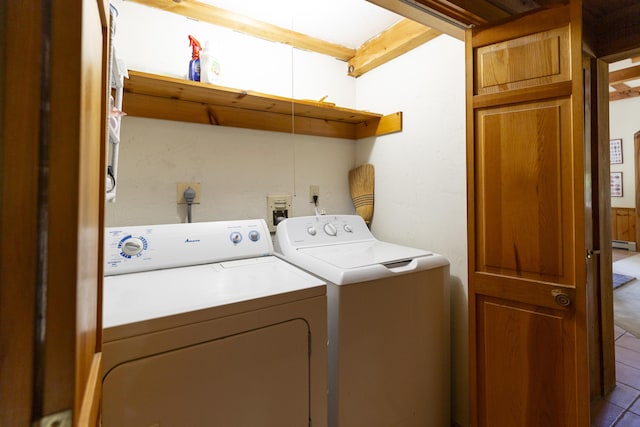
(562, 298)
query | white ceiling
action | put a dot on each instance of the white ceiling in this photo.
(345, 22)
(349, 23)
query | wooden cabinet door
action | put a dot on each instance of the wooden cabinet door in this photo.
(623, 224)
(527, 244)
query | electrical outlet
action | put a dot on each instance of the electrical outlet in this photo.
(278, 208)
(314, 190)
(181, 186)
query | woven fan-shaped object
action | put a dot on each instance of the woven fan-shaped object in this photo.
(361, 181)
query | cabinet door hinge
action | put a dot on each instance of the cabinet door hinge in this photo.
(59, 419)
(591, 253)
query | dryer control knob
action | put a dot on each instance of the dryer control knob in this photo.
(132, 246)
(254, 236)
(348, 228)
(330, 229)
(311, 231)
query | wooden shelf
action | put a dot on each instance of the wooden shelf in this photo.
(168, 98)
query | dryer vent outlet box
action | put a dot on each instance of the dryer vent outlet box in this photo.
(278, 208)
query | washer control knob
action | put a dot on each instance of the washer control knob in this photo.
(311, 230)
(235, 237)
(132, 246)
(348, 228)
(330, 229)
(254, 236)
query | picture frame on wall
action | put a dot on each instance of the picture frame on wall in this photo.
(615, 151)
(616, 184)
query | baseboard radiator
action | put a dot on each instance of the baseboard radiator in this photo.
(621, 244)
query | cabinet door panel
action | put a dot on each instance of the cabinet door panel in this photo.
(532, 60)
(523, 216)
(526, 348)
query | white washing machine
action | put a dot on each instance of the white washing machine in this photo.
(203, 326)
(389, 335)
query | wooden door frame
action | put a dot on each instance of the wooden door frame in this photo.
(636, 164)
(52, 140)
(19, 141)
(602, 337)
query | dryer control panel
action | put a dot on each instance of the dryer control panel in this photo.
(152, 247)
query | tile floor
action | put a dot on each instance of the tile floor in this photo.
(621, 408)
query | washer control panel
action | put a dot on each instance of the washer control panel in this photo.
(152, 247)
(320, 230)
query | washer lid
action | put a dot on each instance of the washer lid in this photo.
(363, 254)
(342, 250)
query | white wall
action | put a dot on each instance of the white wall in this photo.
(420, 172)
(420, 185)
(624, 123)
(237, 168)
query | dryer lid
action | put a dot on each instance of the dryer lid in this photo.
(159, 299)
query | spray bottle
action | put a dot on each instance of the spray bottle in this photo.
(210, 64)
(194, 64)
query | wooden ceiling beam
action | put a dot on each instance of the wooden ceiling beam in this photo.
(624, 75)
(461, 16)
(417, 13)
(397, 40)
(631, 92)
(214, 15)
(469, 12)
(617, 81)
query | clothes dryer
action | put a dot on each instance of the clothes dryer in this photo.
(204, 326)
(388, 320)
